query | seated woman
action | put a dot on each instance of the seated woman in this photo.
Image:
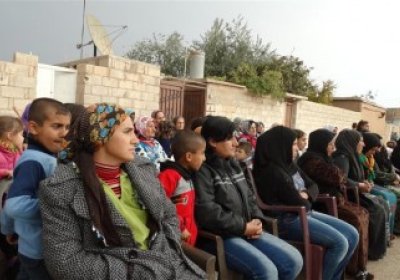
(225, 206)
(367, 160)
(149, 147)
(280, 182)
(105, 215)
(349, 145)
(317, 163)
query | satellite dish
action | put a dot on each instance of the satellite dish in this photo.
(99, 35)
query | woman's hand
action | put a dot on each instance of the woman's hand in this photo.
(365, 187)
(253, 229)
(304, 195)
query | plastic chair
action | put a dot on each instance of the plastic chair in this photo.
(224, 273)
(313, 254)
(203, 259)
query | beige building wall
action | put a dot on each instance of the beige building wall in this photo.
(17, 82)
(311, 116)
(376, 117)
(129, 83)
(232, 101)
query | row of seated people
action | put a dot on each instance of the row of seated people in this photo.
(104, 216)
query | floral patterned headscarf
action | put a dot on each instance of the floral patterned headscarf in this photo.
(103, 120)
(93, 128)
(141, 124)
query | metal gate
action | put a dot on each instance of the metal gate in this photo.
(178, 98)
(171, 99)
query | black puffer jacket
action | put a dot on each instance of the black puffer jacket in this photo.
(224, 201)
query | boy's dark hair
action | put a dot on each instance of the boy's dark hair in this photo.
(10, 124)
(186, 141)
(40, 107)
(245, 146)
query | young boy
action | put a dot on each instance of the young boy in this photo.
(176, 178)
(48, 124)
(244, 154)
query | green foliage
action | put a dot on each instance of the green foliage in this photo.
(166, 51)
(231, 54)
(265, 83)
(228, 44)
(325, 94)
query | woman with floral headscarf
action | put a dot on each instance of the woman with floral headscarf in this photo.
(149, 147)
(105, 215)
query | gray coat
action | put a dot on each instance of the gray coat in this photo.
(72, 251)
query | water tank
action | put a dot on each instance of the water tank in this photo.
(196, 62)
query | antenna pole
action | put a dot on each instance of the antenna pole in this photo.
(83, 27)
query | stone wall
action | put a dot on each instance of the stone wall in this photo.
(17, 82)
(311, 115)
(131, 84)
(232, 101)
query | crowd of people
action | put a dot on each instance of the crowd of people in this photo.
(99, 193)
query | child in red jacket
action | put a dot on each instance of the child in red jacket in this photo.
(176, 178)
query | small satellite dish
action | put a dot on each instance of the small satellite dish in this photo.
(99, 35)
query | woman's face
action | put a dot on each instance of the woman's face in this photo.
(360, 146)
(120, 148)
(180, 124)
(226, 148)
(150, 130)
(330, 148)
(302, 142)
(295, 149)
(253, 129)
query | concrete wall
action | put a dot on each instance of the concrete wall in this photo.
(131, 84)
(376, 118)
(234, 101)
(17, 82)
(393, 115)
(311, 115)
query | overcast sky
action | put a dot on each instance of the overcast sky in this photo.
(354, 43)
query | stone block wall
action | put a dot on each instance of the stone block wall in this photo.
(235, 101)
(131, 84)
(17, 82)
(311, 116)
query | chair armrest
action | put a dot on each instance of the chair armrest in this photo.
(356, 193)
(219, 244)
(270, 225)
(330, 203)
(203, 259)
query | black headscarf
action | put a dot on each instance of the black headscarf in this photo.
(395, 157)
(318, 141)
(346, 144)
(275, 146)
(371, 140)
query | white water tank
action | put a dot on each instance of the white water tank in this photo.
(196, 62)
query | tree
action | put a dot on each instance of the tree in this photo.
(295, 74)
(166, 51)
(265, 83)
(227, 45)
(325, 94)
(369, 96)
